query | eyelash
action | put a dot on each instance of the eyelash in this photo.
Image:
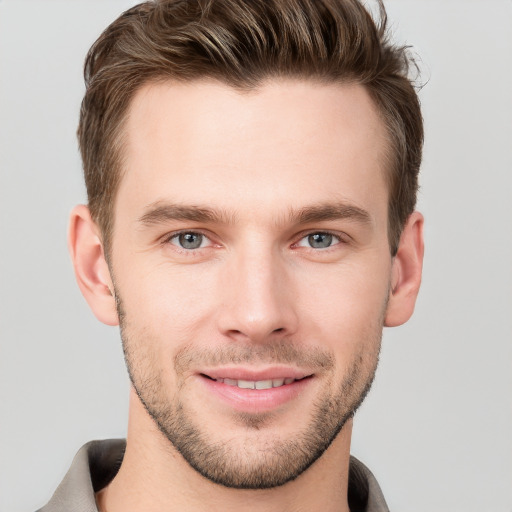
(189, 252)
(341, 238)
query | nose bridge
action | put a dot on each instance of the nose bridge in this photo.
(258, 297)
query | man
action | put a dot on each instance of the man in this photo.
(251, 170)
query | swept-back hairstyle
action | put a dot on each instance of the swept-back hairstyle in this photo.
(241, 43)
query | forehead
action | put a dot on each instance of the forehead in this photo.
(199, 141)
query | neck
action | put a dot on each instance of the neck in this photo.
(154, 476)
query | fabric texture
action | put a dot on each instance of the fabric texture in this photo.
(98, 462)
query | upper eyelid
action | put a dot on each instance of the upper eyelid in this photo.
(190, 253)
(342, 236)
(339, 240)
(173, 234)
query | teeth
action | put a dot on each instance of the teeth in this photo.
(259, 384)
(263, 384)
(246, 384)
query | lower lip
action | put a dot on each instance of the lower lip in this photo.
(255, 400)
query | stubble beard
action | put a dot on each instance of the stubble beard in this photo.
(252, 464)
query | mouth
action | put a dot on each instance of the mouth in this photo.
(257, 384)
(253, 391)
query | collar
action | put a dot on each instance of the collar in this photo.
(97, 463)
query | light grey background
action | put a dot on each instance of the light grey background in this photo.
(436, 428)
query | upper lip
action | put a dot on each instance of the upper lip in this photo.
(252, 374)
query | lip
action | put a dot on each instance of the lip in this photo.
(241, 373)
(254, 400)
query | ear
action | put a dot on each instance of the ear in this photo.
(91, 269)
(406, 273)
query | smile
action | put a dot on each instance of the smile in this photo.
(258, 384)
(255, 391)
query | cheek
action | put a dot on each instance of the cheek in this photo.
(350, 294)
(168, 302)
(346, 305)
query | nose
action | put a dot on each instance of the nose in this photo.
(258, 300)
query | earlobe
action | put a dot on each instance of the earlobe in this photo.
(91, 269)
(406, 273)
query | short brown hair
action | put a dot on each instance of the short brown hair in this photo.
(242, 43)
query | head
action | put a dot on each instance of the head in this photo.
(251, 170)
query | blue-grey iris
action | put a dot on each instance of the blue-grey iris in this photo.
(320, 240)
(190, 240)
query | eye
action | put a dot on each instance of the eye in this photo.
(319, 240)
(189, 240)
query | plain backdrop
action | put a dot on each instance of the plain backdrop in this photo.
(437, 427)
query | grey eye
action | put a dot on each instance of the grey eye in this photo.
(320, 240)
(188, 240)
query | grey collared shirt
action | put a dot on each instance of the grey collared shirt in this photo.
(97, 462)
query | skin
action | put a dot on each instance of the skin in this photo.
(254, 288)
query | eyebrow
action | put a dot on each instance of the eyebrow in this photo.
(161, 212)
(331, 211)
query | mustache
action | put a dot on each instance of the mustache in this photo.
(279, 352)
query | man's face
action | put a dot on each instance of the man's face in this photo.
(250, 250)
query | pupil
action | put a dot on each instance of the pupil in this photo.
(320, 240)
(190, 240)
